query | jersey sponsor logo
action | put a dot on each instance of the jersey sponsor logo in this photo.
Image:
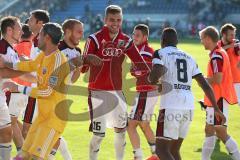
(111, 49)
(112, 52)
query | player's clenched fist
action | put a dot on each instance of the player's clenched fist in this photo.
(219, 115)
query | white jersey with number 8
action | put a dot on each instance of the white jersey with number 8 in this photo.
(181, 69)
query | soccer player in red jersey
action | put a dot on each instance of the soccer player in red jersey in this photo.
(146, 99)
(106, 100)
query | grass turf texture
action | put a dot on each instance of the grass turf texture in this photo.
(78, 137)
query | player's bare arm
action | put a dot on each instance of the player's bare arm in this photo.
(5, 64)
(209, 93)
(9, 73)
(89, 59)
(157, 71)
(28, 77)
(92, 59)
(76, 74)
(215, 79)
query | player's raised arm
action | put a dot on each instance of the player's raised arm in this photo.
(133, 53)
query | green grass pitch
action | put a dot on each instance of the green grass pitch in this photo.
(78, 137)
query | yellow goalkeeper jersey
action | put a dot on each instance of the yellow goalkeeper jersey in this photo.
(52, 77)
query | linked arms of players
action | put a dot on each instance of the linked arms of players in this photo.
(7, 71)
(158, 70)
(133, 53)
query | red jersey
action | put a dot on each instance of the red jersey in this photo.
(146, 51)
(112, 52)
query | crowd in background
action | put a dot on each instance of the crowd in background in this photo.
(200, 14)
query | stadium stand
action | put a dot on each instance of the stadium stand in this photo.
(187, 16)
(17, 8)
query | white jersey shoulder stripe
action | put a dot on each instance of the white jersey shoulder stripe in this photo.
(214, 55)
(146, 53)
(57, 61)
(95, 39)
(86, 46)
(45, 93)
(215, 66)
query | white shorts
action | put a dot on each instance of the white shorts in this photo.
(5, 120)
(108, 109)
(143, 108)
(237, 89)
(210, 116)
(17, 104)
(173, 123)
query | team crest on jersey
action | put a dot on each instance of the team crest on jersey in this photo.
(121, 43)
(53, 80)
(103, 42)
(44, 70)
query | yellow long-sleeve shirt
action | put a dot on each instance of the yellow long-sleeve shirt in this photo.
(52, 73)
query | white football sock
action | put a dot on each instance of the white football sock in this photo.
(63, 149)
(119, 143)
(5, 151)
(138, 155)
(94, 147)
(208, 147)
(232, 148)
(152, 147)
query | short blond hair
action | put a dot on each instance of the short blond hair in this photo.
(211, 32)
(70, 23)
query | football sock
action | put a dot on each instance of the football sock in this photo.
(208, 147)
(5, 151)
(138, 155)
(232, 148)
(152, 147)
(63, 149)
(94, 147)
(119, 143)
